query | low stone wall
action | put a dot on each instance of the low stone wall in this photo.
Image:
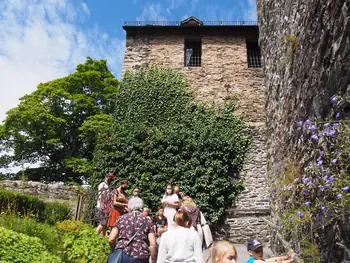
(46, 192)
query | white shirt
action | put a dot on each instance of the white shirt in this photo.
(172, 199)
(102, 186)
(180, 245)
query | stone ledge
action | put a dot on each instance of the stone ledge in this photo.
(233, 212)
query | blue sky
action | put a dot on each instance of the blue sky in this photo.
(41, 40)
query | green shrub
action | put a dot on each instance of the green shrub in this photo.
(81, 243)
(27, 205)
(18, 247)
(161, 136)
(30, 227)
(12, 202)
(56, 212)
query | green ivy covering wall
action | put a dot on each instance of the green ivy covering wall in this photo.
(160, 135)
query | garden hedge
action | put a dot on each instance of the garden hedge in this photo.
(28, 205)
(18, 247)
(81, 243)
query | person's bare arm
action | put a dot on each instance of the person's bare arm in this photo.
(113, 237)
(153, 246)
(283, 259)
(117, 201)
(174, 205)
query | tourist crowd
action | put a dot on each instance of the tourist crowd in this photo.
(178, 233)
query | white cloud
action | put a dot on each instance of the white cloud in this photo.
(42, 40)
(176, 3)
(152, 12)
(250, 12)
(85, 8)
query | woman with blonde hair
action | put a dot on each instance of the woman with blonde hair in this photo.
(224, 252)
(198, 220)
(180, 244)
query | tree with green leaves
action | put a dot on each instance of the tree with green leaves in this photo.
(160, 135)
(57, 124)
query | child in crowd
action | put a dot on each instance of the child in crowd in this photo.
(146, 213)
(255, 250)
(161, 230)
(160, 220)
(223, 252)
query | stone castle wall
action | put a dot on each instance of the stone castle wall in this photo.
(224, 70)
(306, 55)
(46, 192)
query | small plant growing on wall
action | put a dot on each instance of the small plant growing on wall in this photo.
(319, 196)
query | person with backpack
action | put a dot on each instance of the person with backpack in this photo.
(198, 221)
(104, 204)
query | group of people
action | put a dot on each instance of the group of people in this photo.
(178, 233)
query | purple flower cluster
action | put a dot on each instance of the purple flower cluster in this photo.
(300, 215)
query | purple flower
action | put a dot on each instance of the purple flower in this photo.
(307, 203)
(334, 161)
(321, 188)
(324, 207)
(331, 179)
(300, 215)
(345, 189)
(332, 133)
(312, 128)
(314, 137)
(299, 123)
(335, 125)
(339, 196)
(305, 180)
(307, 122)
(291, 218)
(319, 163)
(321, 153)
(337, 116)
(268, 236)
(305, 192)
(326, 125)
(334, 99)
(325, 178)
(289, 187)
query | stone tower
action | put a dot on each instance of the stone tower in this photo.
(218, 59)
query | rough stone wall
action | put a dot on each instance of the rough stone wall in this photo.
(224, 70)
(306, 55)
(46, 192)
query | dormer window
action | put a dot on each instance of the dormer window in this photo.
(193, 53)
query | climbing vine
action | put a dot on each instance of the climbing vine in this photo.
(160, 135)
